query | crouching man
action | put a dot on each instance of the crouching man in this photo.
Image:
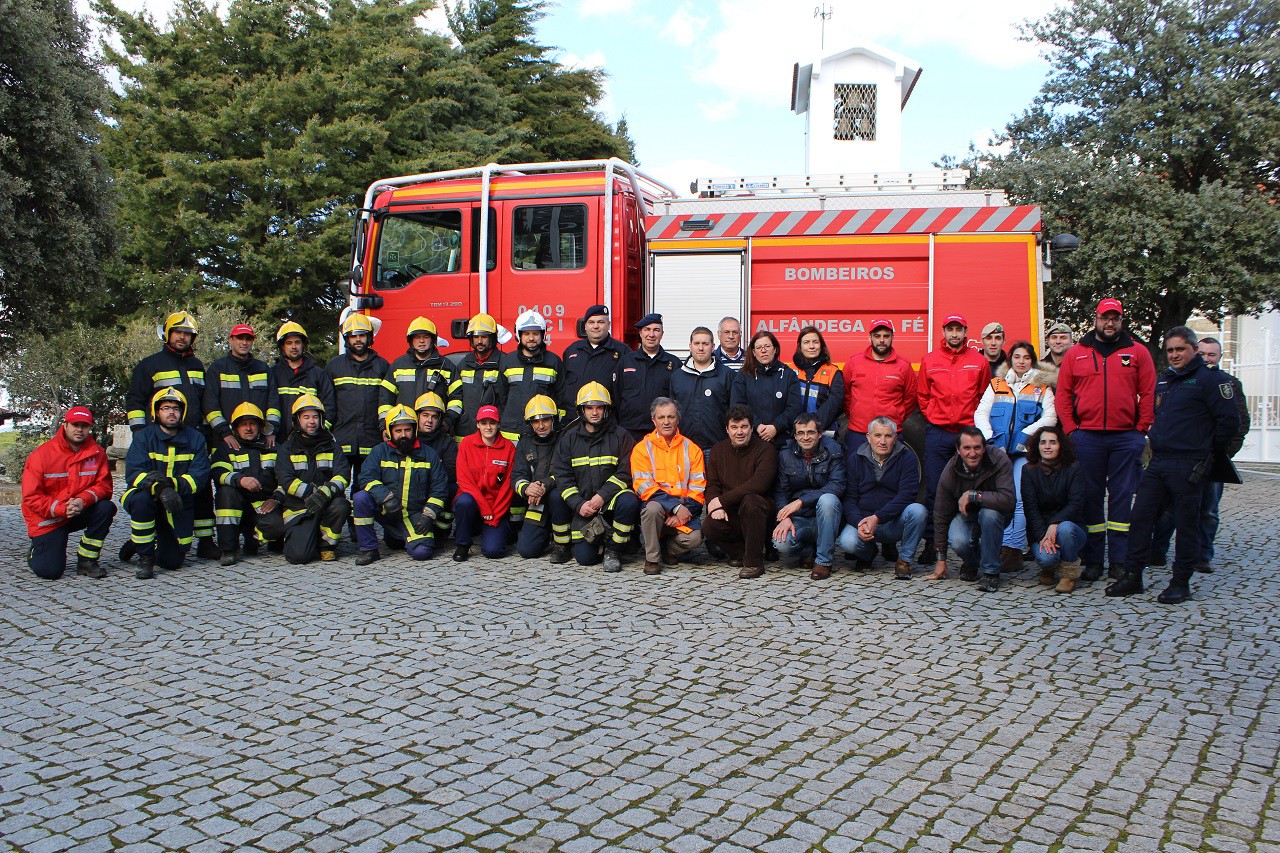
(246, 478)
(66, 486)
(313, 473)
(402, 486)
(811, 482)
(740, 474)
(880, 501)
(669, 475)
(974, 504)
(535, 483)
(167, 464)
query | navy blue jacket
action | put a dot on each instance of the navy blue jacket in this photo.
(1195, 412)
(887, 495)
(640, 379)
(772, 395)
(703, 397)
(182, 457)
(584, 363)
(809, 479)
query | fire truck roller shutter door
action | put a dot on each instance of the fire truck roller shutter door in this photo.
(691, 289)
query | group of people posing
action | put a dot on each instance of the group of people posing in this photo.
(610, 450)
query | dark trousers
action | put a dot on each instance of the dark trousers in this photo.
(1209, 502)
(1111, 463)
(48, 554)
(939, 447)
(237, 515)
(535, 532)
(493, 537)
(304, 533)
(745, 533)
(398, 535)
(622, 514)
(1165, 484)
(157, 534)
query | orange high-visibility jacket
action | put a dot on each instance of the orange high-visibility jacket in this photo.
(670, 472)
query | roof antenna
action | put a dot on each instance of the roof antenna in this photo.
(825, 14)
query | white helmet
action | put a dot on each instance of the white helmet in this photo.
(529, 321)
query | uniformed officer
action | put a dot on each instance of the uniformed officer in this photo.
(431, 432)
(246, 480)
(312, 473)
(420, 370)
(643, 376)
(479, 372)
(296, 373)
(592, 359)
(528, 372)
(166, 467)
(357, 376)
(1195, 421)
(535, 483)
(236, 378)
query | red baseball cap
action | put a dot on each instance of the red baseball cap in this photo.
(1109, 304)
(488, 413)
(955, 318)
(881, 324)
(78, 415)
(242, 330)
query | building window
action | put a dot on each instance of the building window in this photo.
(855, 111)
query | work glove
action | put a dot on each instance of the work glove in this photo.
(151, 483)
(424, 521)
(170, 500)
(319, 498)
(391, 503)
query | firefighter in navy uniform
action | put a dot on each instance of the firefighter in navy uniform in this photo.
(174, 366)
(357, 376)
(592, 469)
(643, 376)
(402, 487)
(166, 467)
(420, 370)
(296, 373)
(535, 483)
(1195, 421)
(528, 372)
(236, 378)
(431, 432)
(592, 359)
(246, 479)
(479, 372)
(312, 473)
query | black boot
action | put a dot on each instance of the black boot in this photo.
(1130, 583)
(1091, 573)
(461, 553)
(144, 570)
(559, 554)
(89, 568)
(276, 546)
(889, 550)
(364, 558)
(250, 548)
(968, 573)
(228, 558)
(990, 582)
(1175, 593)
(206, 550)
(928, 556)
(127, 550)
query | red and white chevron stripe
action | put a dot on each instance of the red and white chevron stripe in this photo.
(867, 221)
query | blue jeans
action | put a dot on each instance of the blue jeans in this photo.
(1015, 535)
(1071, 538)
(977, 540)
(906, 528)
(819, 532)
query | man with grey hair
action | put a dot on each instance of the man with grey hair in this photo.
(669, 475)
(730, 352)
(880, 498)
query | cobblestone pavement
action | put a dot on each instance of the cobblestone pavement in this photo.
(523, 706)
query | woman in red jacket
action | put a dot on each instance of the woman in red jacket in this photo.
(66, 486)
(483, 504)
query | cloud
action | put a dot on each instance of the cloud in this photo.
(684, 27)
(719, 110)
(678, 174)
(604, 7)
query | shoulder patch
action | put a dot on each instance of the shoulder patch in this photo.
(1227, 390)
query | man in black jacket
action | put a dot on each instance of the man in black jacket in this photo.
(644, 375)
(811, 482)
(592, 359)
(701, 386)
(974, 504)
(357, 386)
(296, 373)
(1196, 420)
(535, 483)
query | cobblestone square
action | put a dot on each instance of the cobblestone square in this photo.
(521, 706)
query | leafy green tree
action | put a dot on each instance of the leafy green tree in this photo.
(244, 142)
(555, 105)
(56, 228)
(1156, 140)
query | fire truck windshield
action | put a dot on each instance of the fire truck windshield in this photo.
(417, 244)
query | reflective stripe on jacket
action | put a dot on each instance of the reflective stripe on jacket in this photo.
(230, 382)
(166, 369)
(54, 474)
(673, 473)
(357, 391)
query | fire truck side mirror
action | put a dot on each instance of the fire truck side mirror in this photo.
(582, 328)
(458, 329)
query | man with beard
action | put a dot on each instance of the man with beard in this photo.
(529, 372)
(402, 487)
(236, 378)
(246, 478)
(420, 370)
(595, 358)
(974, 504)
(644, 375)
(357, 387)
(535, 484)
(479, 372)
(878, 383)
(432, 433)
(313, 473)
(1106, 405)
(592, 468)
(296, 373)
(740, 474)
(166, 467)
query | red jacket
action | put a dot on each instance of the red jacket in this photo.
(1115, 392)
(54, 474)
(951, 385)
(485, 473)
(874, 388)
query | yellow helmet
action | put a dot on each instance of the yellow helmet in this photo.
(540, 406)
(247, 410)
(400, 415)
(182, 322)
(291, 328)
(306, 401)
(482, 324)
(357, 323)
(168, 395)
(429, 400)
(420, 325)
(593, 393)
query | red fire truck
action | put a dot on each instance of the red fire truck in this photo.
(777, 253)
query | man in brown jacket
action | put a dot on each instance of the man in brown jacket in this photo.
(974, 505)
(740, 474)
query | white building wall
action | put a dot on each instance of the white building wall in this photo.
(1256, 362)
(828, 155)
